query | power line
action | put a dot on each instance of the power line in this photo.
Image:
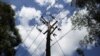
(65, 34)
(63, 37)
(28, 34)
(60, 47)
(44, 53)
(34, 40)
(38, 46)
(48, 39)
(31, 44)
(25, 38)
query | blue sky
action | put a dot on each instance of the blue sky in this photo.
(28, 13)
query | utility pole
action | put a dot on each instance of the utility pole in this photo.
(49, 31)
(48, 49)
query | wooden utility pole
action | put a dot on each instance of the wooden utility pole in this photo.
(48, 49)
(49, 32)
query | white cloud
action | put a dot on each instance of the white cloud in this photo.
(30, 37)
(62, 17)
(58, 6)
(41, 2)
(45, 2)
(28, 13)
(68, 1)
(50, 3)
(13, 7)
(70, 41)
(63, 14)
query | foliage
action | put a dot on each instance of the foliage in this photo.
(90, 20)
(80, 52)
(9, 36)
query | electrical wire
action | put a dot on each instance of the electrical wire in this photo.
(38, 45)
(65, 34)
(42, 41)
(28, 34)
(32, 43)
(37, 37)
(58, 40)
(44, 53)
(34, 40)
(25, 38)
(60, 47)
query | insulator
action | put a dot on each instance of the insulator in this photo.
(54, 34)
(59, 29)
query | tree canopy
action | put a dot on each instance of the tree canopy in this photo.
(90, 19)
(9, 36)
